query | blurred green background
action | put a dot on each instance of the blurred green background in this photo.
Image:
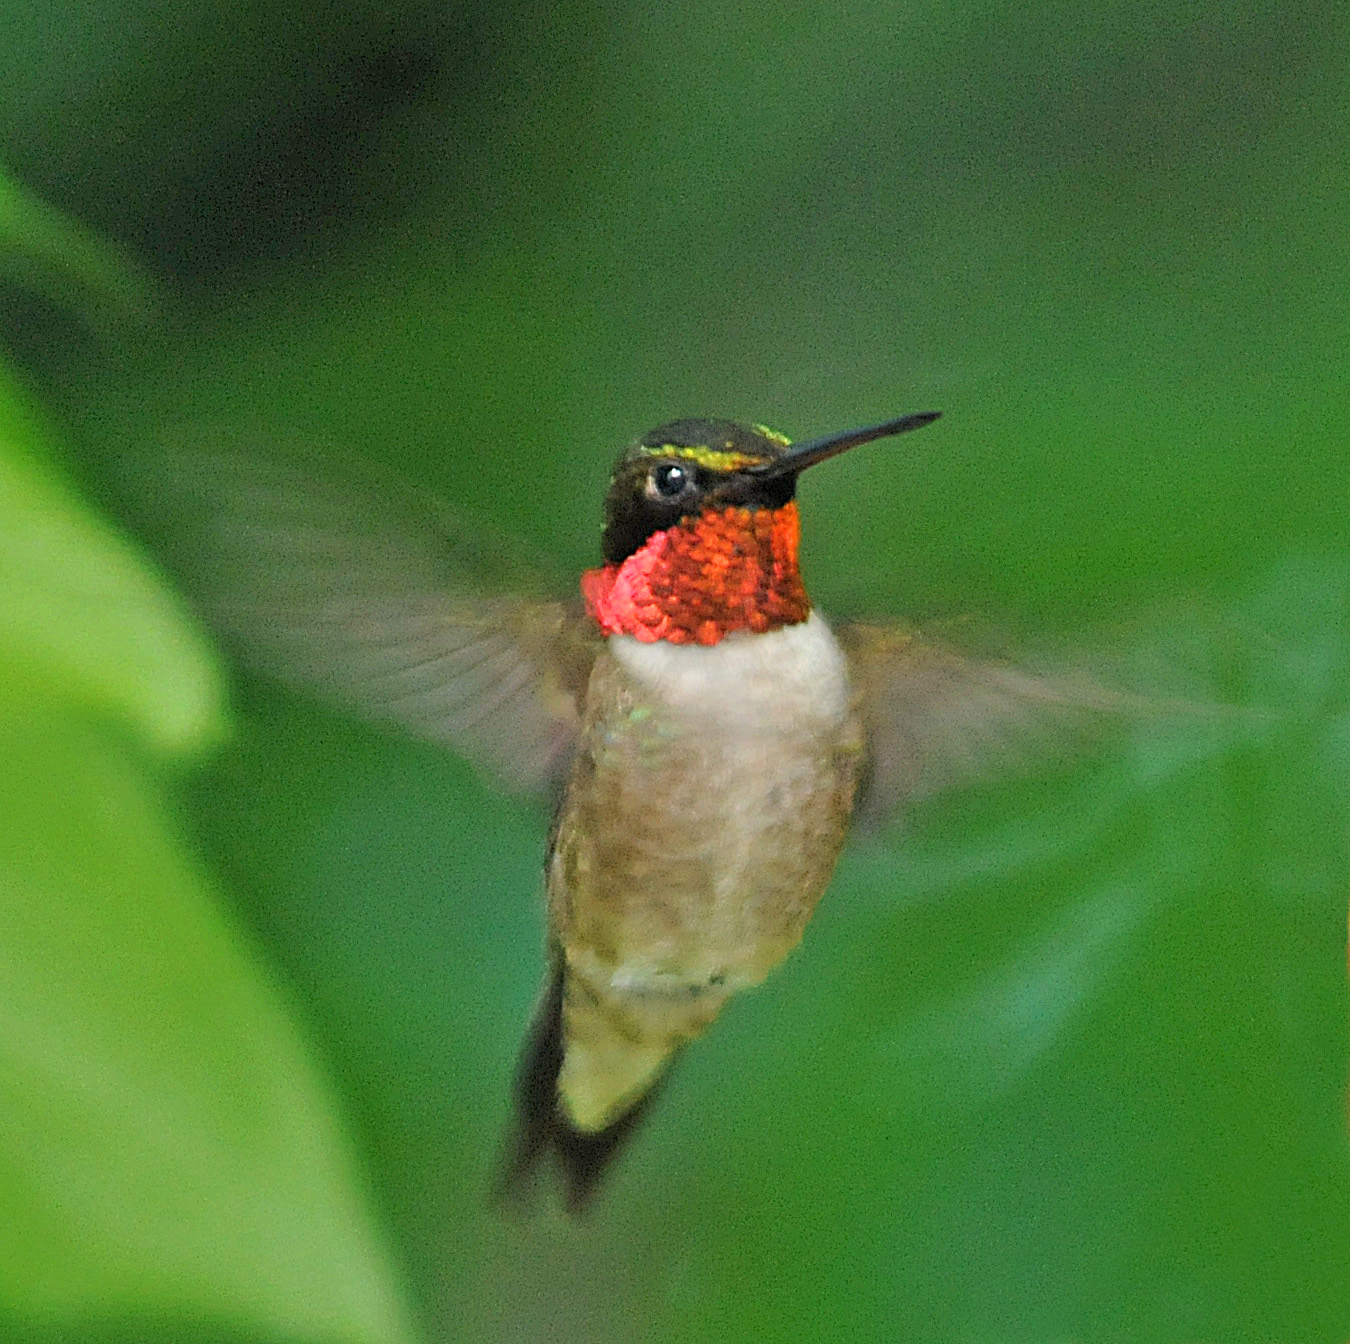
(1060, 1061)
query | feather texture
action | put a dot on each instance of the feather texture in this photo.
(355, 589)
(936, 718)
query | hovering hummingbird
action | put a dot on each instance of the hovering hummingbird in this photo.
(710, 738)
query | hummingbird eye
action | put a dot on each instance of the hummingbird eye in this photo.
(669, 481)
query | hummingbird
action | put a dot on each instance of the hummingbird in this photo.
(709, 738)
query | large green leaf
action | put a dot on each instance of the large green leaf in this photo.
(83, 620)
(168, 1149)
(166, 1145)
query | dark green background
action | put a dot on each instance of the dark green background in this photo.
(1063, 1060)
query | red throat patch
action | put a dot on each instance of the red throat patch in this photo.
(723, 570)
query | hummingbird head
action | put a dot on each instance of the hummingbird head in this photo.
(701, 531)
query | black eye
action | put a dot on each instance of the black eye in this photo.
(669, 481)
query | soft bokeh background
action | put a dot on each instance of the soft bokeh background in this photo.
(1061, 1061)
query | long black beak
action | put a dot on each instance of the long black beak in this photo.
(803, 455)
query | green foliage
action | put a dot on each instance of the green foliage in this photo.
(53, 255)
(83, 621)
(1062, 1060)
(169, 1151)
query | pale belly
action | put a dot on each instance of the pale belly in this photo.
(710, 798)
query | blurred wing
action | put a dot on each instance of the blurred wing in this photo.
(356, 589)
(936, 719)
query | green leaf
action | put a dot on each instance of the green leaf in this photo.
(50, 254)
(167, 1148)
(82, 618)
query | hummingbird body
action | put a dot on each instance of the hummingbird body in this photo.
(709, 732)
(709, 798)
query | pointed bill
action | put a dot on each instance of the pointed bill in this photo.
(803, 455)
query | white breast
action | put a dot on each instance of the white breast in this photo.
(793, 675)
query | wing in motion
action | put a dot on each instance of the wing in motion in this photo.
(936, 718)
(356, 589)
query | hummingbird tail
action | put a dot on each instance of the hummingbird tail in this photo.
(542, 1134)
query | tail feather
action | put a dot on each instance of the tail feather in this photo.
(543, 1135)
